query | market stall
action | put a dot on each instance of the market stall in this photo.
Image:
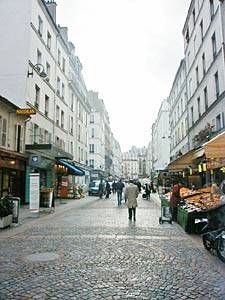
(192, 211)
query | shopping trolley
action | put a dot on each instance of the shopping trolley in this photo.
(166, 215)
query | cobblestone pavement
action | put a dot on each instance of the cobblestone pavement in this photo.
(90, 250)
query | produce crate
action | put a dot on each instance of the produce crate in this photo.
(164, 202)
(182, 218)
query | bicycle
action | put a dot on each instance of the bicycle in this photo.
(213, 238)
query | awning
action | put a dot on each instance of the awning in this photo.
(185, 160)
(215, 148)
(75, 170)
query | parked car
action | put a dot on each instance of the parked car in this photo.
(94, 187)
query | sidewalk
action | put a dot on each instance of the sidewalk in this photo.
(26, 216)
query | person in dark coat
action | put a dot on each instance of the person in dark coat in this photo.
(147, 191)
(108, 190)
(175, 200)
(119, 189)
(100, 189)
(114, 187)
(139, 186)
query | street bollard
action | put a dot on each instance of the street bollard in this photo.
(16, 208)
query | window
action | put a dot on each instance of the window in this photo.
(195, 45)
(187, 35)
(197, 75)
(49, 40)
(37, 96)
(91, 148)
(206, 98)
(40, 26)
(36, 134)
(91, 163)
(201, 29)
(59, 57)
(48, 70)
(62, 119)
(217, 87)
(71, 125)
(46, 105)
(212, 11)
(92, 132)
(46, 137)
(58, 86)
(192, 116)
(214, 45)
(92, 119)
(79, 154)
(3, 131)
(79, 132)
(193, 16)
(203, 64)
(63, 65)
(57, 115)
(63, 90)
(181, 105)
(82, 154)
(72, 102)
(199, 107)
(218, 122)
(71, 147)
(39, 57)
(190, 87)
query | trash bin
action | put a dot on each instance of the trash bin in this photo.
(16, 208)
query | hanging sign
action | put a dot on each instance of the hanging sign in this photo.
(26, 111)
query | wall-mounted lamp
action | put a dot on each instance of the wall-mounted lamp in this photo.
(40, 69)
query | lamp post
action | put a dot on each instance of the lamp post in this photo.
(39, 68)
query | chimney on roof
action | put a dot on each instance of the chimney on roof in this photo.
(51, 5)
(64, 33)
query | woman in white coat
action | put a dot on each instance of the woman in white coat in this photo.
(131, 194)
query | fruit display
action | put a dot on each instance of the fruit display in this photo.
(201, 201)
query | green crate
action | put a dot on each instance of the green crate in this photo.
(182, 218)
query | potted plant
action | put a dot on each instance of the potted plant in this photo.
(6, 211)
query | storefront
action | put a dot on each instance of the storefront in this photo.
(215, 157)
(42, 160)
(12, 173)
(66, 172)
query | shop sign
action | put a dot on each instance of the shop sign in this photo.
(26, 111)
(34, 191)
(34, 160)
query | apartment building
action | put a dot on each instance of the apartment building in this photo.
(203, 34)
(40, 70)
(178, 115)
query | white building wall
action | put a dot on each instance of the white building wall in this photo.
(201, 44)
(161, 138)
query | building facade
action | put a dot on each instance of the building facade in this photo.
(161, 139)
(40, 70)
(204, 58)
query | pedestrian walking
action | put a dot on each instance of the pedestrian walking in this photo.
(100, 189)
(175, 200)
(139, 186)
(114, 187)
(147, 191)
(119, 190)
(131, 194)
(108, 190)
(152, 187)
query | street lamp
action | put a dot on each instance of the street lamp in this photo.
(40, 69)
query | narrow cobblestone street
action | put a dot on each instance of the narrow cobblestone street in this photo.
(90, 250)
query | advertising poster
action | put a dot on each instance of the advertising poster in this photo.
(34, 191)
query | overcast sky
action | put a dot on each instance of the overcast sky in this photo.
(130, 51)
